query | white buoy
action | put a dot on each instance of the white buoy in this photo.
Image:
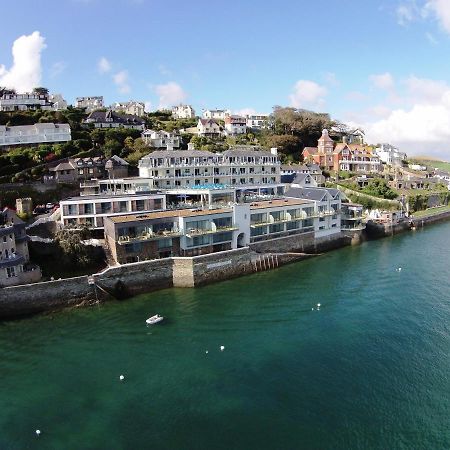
(399, 269)
(121, 378)
(312, 309)
(318, 305)
(206, 352)
(222, 348)
(38, 432)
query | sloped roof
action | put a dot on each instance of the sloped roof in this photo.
(126, 119)
(316, 194)
(311, 150)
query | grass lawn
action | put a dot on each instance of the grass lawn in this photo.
(443, 165)
(431, 211)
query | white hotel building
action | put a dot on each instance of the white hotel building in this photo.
(189, 168)
(90, 211)
(39, 133)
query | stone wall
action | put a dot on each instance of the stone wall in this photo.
(304, 243)
(38, 297)
(222, 265)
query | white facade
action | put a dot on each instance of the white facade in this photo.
(90, 103)
(390, 155)
(257, 121)
(24, 102)
(161, 139)
(131, 107)
(39, 133)
(90, 211)
(208, 127)
(235, 125)
(190, 168)
(58, 102)
(183, 112)
(219, 114)
(327, 207)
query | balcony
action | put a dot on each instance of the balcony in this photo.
(213, 230)
(12, 261)
(148, 236)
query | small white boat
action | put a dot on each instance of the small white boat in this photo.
(154, 319)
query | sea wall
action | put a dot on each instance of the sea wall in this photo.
(375, 230)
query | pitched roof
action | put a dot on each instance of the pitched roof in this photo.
(316, 194)
(63, 166)
(126, 119)
(208, 122)
(311, 150)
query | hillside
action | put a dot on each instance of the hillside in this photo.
(432, 162)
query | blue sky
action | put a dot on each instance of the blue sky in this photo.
(379, 64)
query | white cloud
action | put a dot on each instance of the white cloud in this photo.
(425, 90)
(103, 65)
(121, 81)
(26, 70)
(244, 111)
(308, 94)
(57, 68)
(384, 81)
(441, 10)
(170, 94)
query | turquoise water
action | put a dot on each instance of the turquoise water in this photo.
(370, 369)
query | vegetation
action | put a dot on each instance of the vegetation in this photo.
(72, 249)
(379, 188)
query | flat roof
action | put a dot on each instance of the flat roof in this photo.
(282, 202)
(110, 196)
(168, 214)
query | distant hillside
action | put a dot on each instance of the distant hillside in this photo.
(432, 162)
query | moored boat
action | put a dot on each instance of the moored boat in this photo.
(154, 319)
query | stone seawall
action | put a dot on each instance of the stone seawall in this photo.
(119, 282)
(376, 230)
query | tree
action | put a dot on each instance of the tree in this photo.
(40, 91)
(70, 242)
(287, 144)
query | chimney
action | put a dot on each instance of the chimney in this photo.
(274, 151)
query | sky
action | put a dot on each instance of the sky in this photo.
(381, 65)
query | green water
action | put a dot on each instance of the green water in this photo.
(370, 369)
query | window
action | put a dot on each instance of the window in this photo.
(164, 243)
(10, 272)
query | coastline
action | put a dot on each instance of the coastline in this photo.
(125, 281)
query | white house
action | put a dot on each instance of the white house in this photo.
(219, 114)
(58, 102)
(132, 107)
(161, 139)
(327, 207)
(183, 112)
(24, 102)
(235, 125)
(39, 133)
(390, 155)
(208, 127)
(90, 103)
(257, 121)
